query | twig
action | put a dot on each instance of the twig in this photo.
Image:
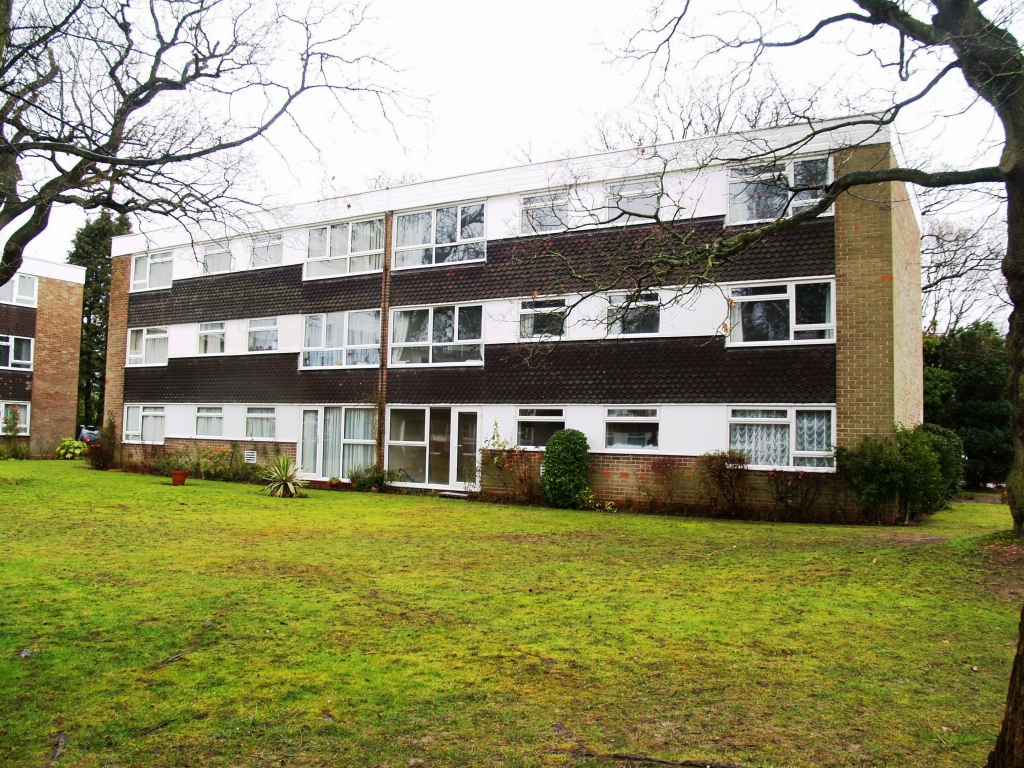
(150, 728)
(583, 754)
(175, 657)
(58, 747)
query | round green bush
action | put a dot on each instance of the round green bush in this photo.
(950, 450)
(566, 461)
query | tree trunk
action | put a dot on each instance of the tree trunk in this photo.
(1009, 749)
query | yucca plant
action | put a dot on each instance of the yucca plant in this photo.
(282, 478)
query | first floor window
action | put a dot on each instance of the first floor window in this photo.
(542, 318)
(263, 334)
(216, 258)
(781, 312)
(347, 248)
(15, 352)
(631, 428)
(211, 338)
(20, 289)
(634, 201)
(209, 421)
(151, 270)
(782, 437)
(267, 250)
(449, 234)
(545, 212)
(535, 426)
(261, 423)
(147, 346)
(636, 315)
(144, 424)
(341, 338)
(17, 412)
(437, 336)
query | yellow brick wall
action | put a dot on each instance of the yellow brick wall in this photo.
(117, 338)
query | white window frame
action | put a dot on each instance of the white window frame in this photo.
(19, 297)
(344, 348)
(135, 436)
(272, 324)
(329, 257)
(11, 342)
(425, 443)
(216, 249)
(552, 200)
(614, 192)
(256, 412)
(529, 307)
(789, 295)
(270, 243)
(794, 206)
(149, 259)
(526, 417)
(790, 420)
(614, 316)
(222, 332)
(319, 458)
(139, 360)
(393, 345)
(24, 415)
(433, 245)
(209, 412)
(609, 417)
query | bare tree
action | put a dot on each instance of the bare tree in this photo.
(962, 279)
(148, 109)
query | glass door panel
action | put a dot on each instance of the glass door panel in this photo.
(310, 421)
(440, 446)
(331, 466)
(465, 459)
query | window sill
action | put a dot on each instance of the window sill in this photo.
(258, 439)
(140, 442)
(631, 449)
(794, 343)
(829, 212)
(145, 365)
(18, 369)
(790, 468)
(33, 305)
(341, 276)
(371, 366)
(445, 264)
(150, 290)
(399, 366)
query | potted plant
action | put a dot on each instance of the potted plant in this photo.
(178, 464)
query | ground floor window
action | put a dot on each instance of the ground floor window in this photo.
(433, 446)
(18, 411)
(783, 437)
(209, 421)
(261, 423)
(144, 424)
(631, 428)
(535, 426)
(337, 441)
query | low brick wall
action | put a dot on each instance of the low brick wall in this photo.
(141, 456)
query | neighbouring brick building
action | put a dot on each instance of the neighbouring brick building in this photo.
(494, 302)
(40, 331)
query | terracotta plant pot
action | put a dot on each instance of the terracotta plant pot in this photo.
(178, 476)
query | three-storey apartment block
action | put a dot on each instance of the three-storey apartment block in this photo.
(40, 333)
(406, 326)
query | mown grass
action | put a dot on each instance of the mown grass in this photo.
(361, 629)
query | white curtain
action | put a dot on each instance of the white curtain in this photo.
(765, 445)
(153, 427)
(359, 424)
(160, 274)
(363, 328)
(332, 443)
(357, 456)
(339, 240)
(314, 335)
(309, 440)
(334, 335)
(260, 423)
(131, 419)
(316, 248)
(414, 229)
(367, 236)
(156, 350)
(814, 431)
(209, 422)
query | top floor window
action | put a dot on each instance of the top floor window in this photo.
(772, 191)
(263, 334)
(151, 271)
(793, 312)
(453, 233)
(343, 249)
(147, 346)
(641, 315)
(341, 338)
(20, 289)
(437, 336)
(216, 258)
(542, 318)
(544, 212)
(267, 250)
(634, 201)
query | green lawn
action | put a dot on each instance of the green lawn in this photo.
(362, 629)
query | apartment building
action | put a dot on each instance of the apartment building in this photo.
(40, 332)
(408, 325)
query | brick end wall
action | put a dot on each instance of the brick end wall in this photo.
(117, 339)
(54, 412)
(878, 305)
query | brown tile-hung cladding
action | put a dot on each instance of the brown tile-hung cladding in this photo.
(522, 266)
(246, 379)
(688, 370)
(252, 293)
(16, 385)
(17, 321)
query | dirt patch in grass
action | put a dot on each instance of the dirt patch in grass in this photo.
(1003, 562)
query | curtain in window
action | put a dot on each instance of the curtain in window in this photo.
(359, 424)
(339, 240)
(314, 331)
(152, 427)
(131, 419)
(160, 274)
(156, 350)
(332, 443)
(357, 456)
(309, 440)
(367, 236)
(764, 444)
(209, 422)
(260, 423)
(363, 328)
(335, 328)
(814, 431)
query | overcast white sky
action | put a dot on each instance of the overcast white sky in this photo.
(496, 81)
